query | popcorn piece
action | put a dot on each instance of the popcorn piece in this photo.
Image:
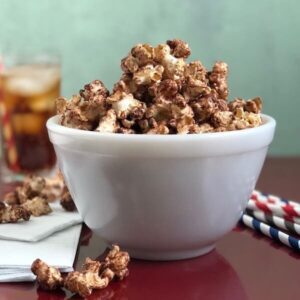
(161, 52)
(11, 198)
(74, 118)
(203, 128)
(244, 119)
(61, 105)
(161, 102)
(22, 194)
(12, 214)
(161, 128)
(91, 265)
(84, 110)
(49, 278)
(180, 101)
(37, 206)
(125, 85)
(117, 262)
(153, 90)
(33, 185)
(53, 187)
(84, 282)
(179, 112)
(221, 104)
(130, 125)
(67, 201)
(174, 67)
(116, 96)
(76, 282)
(253, 119)
(195, 88)
(137, 113)
(159, 112)
(196, 70)
(218, 79)
(147, 124)
(168, 88)
(129, 64)
(142, 93)
(143, 53)
(124, 106)
(222, 118)
(144, 125)
(148, 74)
(125, 131)
(236, 103)
(254, 105)
(185, 124)
(204, 108)
(108, 123)
(179, 48)
(237, 124)
(127, 123)
(94, 91)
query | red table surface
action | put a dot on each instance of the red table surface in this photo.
(245, 265)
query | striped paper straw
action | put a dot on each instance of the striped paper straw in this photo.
(271, 232)
(279, 209)
(8, 138)
(1, 65)
(7, 133)
(257, 195)
(275, 221)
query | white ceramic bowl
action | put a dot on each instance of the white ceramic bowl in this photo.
(161, 197)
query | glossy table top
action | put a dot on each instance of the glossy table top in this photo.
(245, 265)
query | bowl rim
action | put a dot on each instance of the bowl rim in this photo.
(152, 145)
(53, 125)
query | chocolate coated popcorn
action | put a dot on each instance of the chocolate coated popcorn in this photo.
(159, 92)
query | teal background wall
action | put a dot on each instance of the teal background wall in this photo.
(260, 40)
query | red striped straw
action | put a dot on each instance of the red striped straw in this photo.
(280, 209)
(1, 65)
(257, 195)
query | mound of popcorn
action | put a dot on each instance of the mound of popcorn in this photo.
(159, 92)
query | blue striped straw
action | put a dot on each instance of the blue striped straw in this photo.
(273, 220)
(271, 232)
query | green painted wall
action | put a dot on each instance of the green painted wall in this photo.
(259, 40)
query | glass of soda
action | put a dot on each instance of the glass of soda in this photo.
(29, 85)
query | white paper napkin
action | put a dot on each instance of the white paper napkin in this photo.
(58, 250)
(38, 228)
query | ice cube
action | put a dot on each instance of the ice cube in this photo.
(32, 80)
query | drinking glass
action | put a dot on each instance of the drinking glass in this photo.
(29, 85)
